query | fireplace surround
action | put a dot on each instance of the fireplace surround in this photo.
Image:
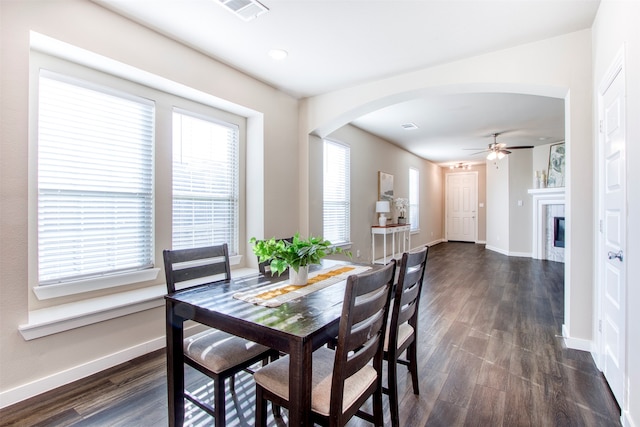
(548, 204)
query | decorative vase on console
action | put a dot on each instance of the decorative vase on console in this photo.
(401, 205)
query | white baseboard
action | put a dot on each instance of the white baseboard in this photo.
(42, 385)
(576, 343)
(499, 250)
(508, 253)
(520, 254)
(435, 242)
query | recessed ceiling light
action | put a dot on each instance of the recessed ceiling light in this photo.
(278, 54)
(409, 126)
(543, 138)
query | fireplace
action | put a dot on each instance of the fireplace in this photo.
(558, 232)
(548, 238)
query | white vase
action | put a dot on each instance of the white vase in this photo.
(300, 277)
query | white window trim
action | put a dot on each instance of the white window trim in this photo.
(74, 54)
(415, 230)
(94, 284)
(348, 188)
(64, 317)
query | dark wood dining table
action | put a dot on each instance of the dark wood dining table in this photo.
(297, 328)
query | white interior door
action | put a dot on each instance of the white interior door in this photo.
(462, 197)
(612, 260)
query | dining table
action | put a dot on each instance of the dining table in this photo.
(296, 327)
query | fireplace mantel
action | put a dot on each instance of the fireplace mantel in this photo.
(541, 198)
(541, 192)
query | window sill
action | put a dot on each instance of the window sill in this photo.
(64, 317)
(94, 284)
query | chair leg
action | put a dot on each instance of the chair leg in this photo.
(277, 413)
(378, 414)
(261, 408)
(413, 366)
(392, 379)
(219, 402)
(232, 384)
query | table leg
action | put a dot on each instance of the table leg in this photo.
(175, 366)
(408, 239)
(393, 245)
(373, 248)
(300, 371)
(384, 248)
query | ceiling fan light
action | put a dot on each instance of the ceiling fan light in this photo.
(491, 156)
(500, 155)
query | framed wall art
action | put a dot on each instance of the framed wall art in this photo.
(555, 174)
(385, 186)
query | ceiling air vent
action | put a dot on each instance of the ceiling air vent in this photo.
(245, 9)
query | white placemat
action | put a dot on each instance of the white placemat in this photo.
(281, 292)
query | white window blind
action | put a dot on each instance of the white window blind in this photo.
(336, 193)
(95, 182)
(414, 199)
(205, 182)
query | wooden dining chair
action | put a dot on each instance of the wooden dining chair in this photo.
(344, 378)
(402, 330)
(217, 354)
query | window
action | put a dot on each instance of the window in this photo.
(103, 190)
(205, 182)
(95, 180)
(414, 199)
(336, 196)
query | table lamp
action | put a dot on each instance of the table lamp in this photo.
(382, 207)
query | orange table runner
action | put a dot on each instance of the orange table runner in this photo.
(281, 292)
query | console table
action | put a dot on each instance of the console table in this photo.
(391, 229)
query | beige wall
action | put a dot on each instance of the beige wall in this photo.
(615, 28)
(370, 154)
(47, 361)
(520, 210)
(498, 207)
(559, 67)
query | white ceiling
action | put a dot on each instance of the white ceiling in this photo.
(333, 44)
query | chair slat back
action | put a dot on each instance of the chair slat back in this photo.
(408, 290)
(192, 267)
(362, 326)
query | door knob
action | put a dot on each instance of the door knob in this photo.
(613, 255)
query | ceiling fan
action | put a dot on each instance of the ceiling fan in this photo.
(498, 150)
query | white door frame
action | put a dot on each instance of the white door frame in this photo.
(617, 68)
(446, 204)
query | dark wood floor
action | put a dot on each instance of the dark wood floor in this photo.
(489, 355)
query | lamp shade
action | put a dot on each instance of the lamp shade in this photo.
(383, 206)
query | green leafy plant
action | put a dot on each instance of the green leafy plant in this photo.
(295, 254)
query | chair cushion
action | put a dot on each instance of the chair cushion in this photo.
(275, 378)
(219, 350)
(404, 333)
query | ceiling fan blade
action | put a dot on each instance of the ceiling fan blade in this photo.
(519, 147)
(505, 151)
(479, 152)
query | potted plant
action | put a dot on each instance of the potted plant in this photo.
(296, 255)
(401, 205)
